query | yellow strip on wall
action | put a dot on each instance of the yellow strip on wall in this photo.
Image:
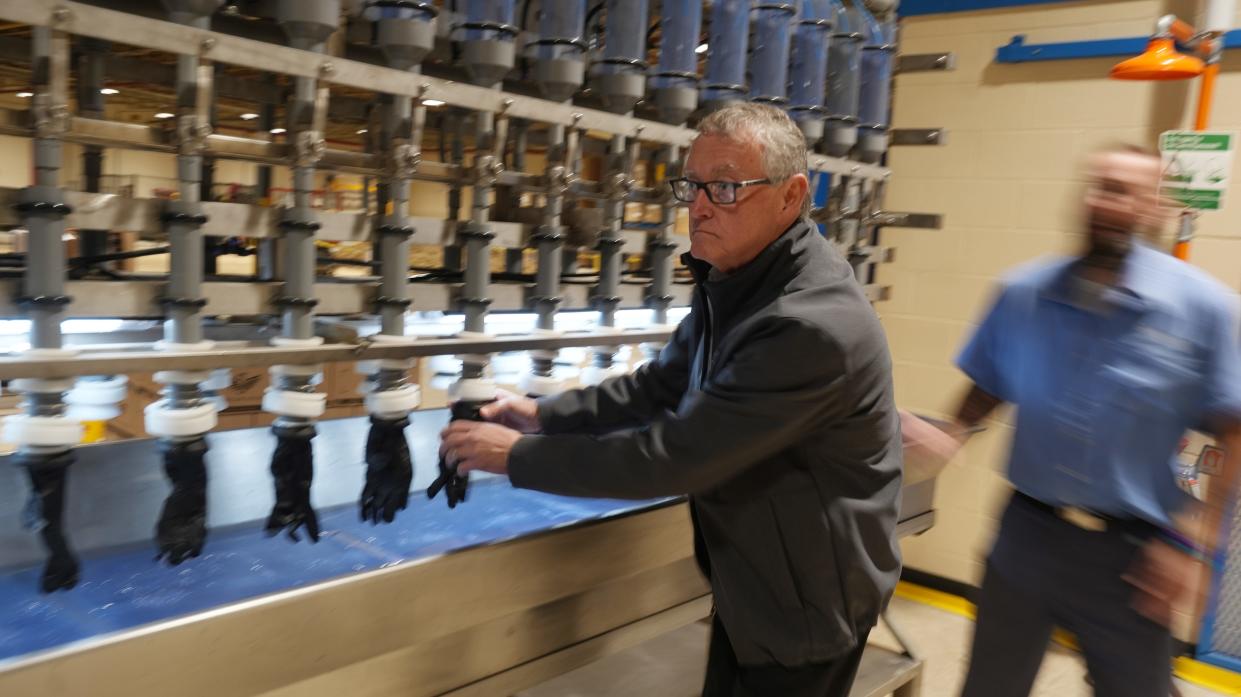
(1187, 669)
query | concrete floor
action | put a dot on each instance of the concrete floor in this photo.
(671, 666)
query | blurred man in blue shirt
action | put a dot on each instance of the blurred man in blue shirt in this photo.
(1109, 358)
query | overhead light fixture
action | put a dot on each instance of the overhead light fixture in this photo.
(164, 115)
(249, 116)
(277, 131)
(361, 131)
(702, 48)
(433, 102)
(109, 90)
(25, 95)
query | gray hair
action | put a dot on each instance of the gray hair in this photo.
(781, 142)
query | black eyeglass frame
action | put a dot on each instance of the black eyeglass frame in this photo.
(705, 187)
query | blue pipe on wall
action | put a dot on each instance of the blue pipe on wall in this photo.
(913, 8)
(1018, 51)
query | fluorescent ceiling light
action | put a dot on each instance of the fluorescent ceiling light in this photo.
(109, 90)
(277, 131)
(702, 48)
(249, 116)
(25, 95)
(164, 115)
(433, 102)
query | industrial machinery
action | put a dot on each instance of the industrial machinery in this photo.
(373, 172)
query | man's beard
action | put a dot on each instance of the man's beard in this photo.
(1108, 246)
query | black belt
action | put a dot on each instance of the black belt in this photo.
(1086, 519)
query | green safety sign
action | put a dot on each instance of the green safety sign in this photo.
(1196, 167)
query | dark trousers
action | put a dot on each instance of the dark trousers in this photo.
(727, 678)
(1044, 572)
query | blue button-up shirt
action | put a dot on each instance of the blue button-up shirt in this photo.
(1105, 389)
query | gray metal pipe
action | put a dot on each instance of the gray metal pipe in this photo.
(308, 24)
(394, 231)
(607, 292)
(476, 232)
(661, 249)
(91, 73)
(184, 218)
(43, 209)
(549, 242)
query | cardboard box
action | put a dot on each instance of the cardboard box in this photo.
(229, 421)
(247, 387)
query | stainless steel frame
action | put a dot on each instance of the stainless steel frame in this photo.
(105, 362)
(124, 28)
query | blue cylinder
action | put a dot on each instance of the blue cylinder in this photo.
(878, 54)
(619, 77)
(844, 65)
(624, 47)
(769, 56)
(489, 20)
(808, 70)
(679, 27)
(727, 46)
(561, 26)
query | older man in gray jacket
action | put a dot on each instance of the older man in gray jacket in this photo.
(771, 407)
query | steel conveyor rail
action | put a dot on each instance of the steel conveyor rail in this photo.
(100, 361)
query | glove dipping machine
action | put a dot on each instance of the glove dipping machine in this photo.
(166, 565)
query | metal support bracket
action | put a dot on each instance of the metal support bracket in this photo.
(924, 62)
(919, 136)
(926, 221)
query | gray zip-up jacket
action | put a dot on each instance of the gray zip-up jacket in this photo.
(772, 408)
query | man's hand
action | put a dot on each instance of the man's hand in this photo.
(514, 411)
(478, 446)
(1161, 577)
(927, 448)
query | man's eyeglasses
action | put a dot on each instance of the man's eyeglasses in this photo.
(718, 192)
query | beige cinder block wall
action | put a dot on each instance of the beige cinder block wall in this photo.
(1007, 184)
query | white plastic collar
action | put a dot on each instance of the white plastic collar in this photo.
(41, 385)
(305, 405)
(164, 422)
(593, 375)
(473, 390)
(46, 431)
(540, 385)
(394, 403)
(98, 393)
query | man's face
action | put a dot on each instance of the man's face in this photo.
(728, 236)
(1121, 198)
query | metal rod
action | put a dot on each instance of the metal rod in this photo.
(489, 141)
(42, 205)
(98, 360)
(91, 65)
(184, 218)
(662, 245)
(607, 292)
